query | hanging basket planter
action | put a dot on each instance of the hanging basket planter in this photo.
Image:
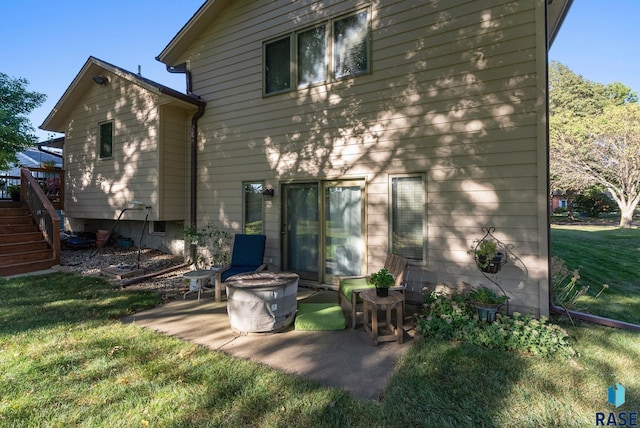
(492, 265)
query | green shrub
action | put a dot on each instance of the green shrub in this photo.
(593, 201)
(453, 317)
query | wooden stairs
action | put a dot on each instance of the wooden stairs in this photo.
(23, 248)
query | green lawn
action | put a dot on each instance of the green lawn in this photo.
(66, 360)
(604, 255)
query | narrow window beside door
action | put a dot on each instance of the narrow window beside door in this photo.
(253, 208)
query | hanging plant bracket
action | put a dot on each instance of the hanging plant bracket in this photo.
(490, 255)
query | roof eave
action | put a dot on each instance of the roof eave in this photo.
(556, 13)
(56, 119)
(171, 54)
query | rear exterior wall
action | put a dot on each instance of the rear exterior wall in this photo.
(456, 91)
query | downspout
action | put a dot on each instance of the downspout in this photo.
(193, 217)
(552, 307)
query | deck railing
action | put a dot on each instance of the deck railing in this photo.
(51, 181)
(42, 210)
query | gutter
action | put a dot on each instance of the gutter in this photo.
(193, 217)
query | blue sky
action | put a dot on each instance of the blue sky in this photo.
(48, 41)
(600, 41)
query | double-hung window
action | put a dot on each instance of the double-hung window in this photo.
(408, 216)
(332, 50)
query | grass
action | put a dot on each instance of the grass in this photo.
(66, 360)
(604, 255)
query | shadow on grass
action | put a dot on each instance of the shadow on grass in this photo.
(54, 299)
(442, 383)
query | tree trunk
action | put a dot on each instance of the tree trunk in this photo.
(625, 219)
(626, 213)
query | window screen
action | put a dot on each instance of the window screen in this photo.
(253, 208)
(407, 217)
(106, 140)
(277, 65)
(350, 45)
(312, 66)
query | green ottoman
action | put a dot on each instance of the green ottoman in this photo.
(319, 317)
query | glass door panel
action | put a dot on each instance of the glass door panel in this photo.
(343, 229)
(301, 230)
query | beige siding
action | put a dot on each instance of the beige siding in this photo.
(101, 188)
(173, 157)
(456, 92)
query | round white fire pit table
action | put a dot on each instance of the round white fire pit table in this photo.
(195, 278)
(261, 302)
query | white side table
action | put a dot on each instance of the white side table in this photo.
(195, 277)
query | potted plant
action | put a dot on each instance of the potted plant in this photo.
(486, 303)
(212, 245)
(487, 256)
(382, 281)
(14, 192)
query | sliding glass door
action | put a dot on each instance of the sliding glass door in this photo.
(301, 230)
(323, 237)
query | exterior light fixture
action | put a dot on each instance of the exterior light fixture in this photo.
(268, 192)
(100, 79)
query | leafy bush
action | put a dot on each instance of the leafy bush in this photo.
(594, 201)
(487, 296)
(213, 245)
(453, 317)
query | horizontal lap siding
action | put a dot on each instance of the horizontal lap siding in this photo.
(453, 93)
(174, 190)
(101, 188)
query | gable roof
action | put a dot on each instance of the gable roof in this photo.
(192, 29)
(55, 121)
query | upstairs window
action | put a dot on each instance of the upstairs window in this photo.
(106, 140)
(277, 57)
(351, 45)
(312, 57)
(338, 48)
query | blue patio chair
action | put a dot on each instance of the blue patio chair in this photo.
(247, 256)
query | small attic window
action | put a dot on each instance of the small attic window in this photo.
(106, 140)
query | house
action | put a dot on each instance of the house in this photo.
(342, 130)
(126, 146)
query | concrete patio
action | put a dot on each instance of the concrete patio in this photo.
(344, 359)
